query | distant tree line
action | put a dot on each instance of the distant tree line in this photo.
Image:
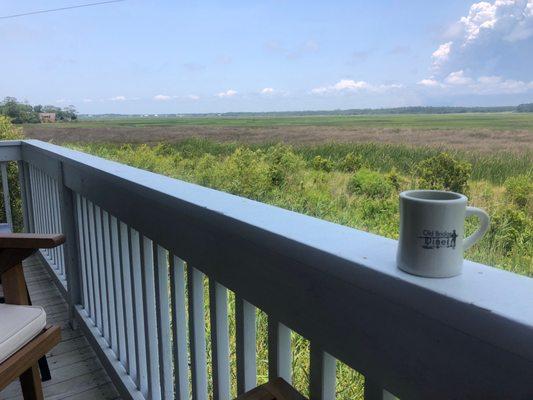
(525, 107)
(358, 111)
(22, 112)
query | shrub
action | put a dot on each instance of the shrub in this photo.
(510, 229)
(443, 172)
(394, 178)
(8, 131)
(322, 164)
(283, 162)
(370, 183)
(351, 162)
(520, 190)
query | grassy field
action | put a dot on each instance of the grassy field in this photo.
(503, 121)
(347, 170)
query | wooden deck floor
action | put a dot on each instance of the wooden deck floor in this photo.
(76, 371)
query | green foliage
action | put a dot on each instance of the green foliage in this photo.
(519, 190)
(320, 163)
(20, 113)
(443, 172)
(351, 162)
(283, 163)
(8, 131)
(511, 229)
(370, 183)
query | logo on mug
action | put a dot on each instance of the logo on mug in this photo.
(435, 239)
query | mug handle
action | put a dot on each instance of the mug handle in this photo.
(484, 220)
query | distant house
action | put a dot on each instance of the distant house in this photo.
(47, 117)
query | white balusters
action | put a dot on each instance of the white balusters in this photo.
(245, 345)
(218, 305)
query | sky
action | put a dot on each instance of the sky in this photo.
(139, 56)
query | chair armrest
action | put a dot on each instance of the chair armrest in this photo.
(30, 240)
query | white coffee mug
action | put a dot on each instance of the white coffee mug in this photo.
(432, 232)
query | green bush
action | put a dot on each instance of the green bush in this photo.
(519, 190)
(443, 172)
(351, 162)
(370, 183)
(511, 229)
(10, 132)
(283, 163)
(320, 163)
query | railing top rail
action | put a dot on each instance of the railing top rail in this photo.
(307, 271)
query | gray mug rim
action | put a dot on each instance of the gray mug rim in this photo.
(409, 195)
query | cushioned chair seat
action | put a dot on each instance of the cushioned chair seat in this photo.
(18, 325)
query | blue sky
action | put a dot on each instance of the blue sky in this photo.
(173, 57)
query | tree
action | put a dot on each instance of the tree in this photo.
(18, 112)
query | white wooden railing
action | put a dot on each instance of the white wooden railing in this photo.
(139, 246)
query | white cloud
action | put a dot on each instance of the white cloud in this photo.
(458, 83)
(227, 93)
(193, 97)
(494, 38)
(429, 82)
(118, 98)
(267, 90)
(162, 97)
(61, 101)
(442, 54)
(87, 100)
(458, 78)
(349, 85)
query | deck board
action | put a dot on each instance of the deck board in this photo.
(77, 374)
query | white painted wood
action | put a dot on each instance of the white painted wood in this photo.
(150, 318)
(119, 291)
(81, 243)
(279, 350)
(195, 287)
(179, 329)
(138, 313)
(88, 261)
(321, 272)
(245, 315)
(95, 268)
(129, 319)
(164, 330)
(102, 281)
(7, 197)
(322, 375)
(110, 282)
(218, 306)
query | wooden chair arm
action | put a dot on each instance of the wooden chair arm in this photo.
(30, 240)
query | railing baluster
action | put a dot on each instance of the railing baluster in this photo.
(7, 198)
(88, 258)
(179, 328)
(374, 391)
(245, 345)
(279, 350)
(81, 242)
(102, 273)
(24, 194)
(164, 331)
(197, 333)
(95, 268)
(322, 375)
(138, 313)
(70, 251)
(119, 296)
(150, 318)
(218, 304)
(110, 283)
(129, 314)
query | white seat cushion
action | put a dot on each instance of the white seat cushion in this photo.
(18, 325)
